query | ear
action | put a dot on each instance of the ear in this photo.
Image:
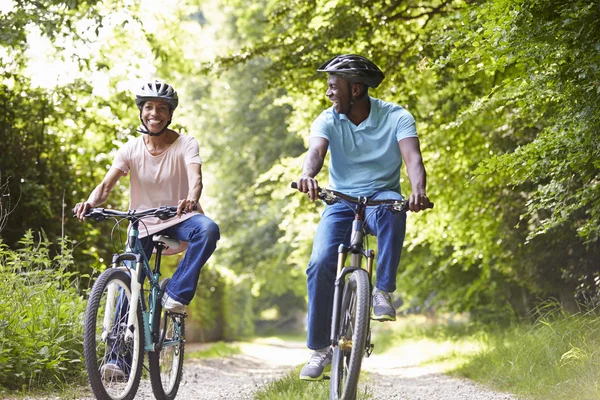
(356, 89)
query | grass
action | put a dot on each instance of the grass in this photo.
(292, 388)
(556, 358)
(215, 350)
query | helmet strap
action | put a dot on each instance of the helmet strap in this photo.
(144, 129)
(352, 101)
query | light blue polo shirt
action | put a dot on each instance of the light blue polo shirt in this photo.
(365, 158)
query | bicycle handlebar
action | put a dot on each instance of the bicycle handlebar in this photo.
(331, 196)
(163, 213)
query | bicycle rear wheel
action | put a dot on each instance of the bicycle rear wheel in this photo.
(113, 363)
(166, 363)
(352, 335)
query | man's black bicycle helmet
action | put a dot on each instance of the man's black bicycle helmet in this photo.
(355, 69)
(157, 90)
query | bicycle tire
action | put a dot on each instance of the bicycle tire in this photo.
(354, 319)
(166, 364)
(101, 350)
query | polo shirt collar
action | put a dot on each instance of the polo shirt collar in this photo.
(372, 119)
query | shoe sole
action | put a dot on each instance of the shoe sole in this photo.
(382, 318)
(318, 378)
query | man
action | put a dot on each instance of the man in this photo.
(165, 169)
(368, 139)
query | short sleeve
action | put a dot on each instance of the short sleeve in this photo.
(320, 127)
(406, 126)
(122, 159)
(192, 152)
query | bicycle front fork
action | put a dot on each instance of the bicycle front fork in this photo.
(340, 281)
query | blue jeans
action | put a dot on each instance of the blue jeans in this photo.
(334, 229)
(202, 234)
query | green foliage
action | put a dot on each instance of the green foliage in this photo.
(41, 316)
(555, 358)
(237, 309)
(505, 94)
(506, 100)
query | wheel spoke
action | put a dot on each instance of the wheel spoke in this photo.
(112, 362)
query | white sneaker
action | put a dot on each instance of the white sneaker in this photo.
(170, 304)
(112, 373)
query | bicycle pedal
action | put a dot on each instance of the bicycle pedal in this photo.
(183, 314)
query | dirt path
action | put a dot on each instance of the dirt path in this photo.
(391, 376)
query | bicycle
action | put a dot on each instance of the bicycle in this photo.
(117, 334)
(350, 321)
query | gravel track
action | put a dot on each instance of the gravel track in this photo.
(391, 376)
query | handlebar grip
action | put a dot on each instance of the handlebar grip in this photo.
(294, 185)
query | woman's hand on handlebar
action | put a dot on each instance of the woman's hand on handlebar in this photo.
(186, 206)
(308, 184)
(81, 208)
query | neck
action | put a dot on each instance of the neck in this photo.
(165, 139)
(360, 110)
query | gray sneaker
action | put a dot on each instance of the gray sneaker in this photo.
(382, 306)
(319, 363)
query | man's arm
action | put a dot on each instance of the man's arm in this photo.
(192, 202)
(100, 194)
(411, 153)
(313, 162)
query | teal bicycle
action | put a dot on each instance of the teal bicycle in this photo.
(124, 318)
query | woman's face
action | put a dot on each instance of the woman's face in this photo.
(156, 115)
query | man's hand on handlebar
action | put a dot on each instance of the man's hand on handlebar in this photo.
(81, 208)
(419, 202)
(309, 185)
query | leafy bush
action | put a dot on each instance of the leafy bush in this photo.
(41, 316)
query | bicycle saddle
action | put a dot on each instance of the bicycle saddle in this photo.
(168, 242)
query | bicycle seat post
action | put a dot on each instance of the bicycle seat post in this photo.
(159, 249)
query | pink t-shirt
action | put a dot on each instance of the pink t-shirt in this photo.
(157, 180)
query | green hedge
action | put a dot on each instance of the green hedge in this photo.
(41, 316)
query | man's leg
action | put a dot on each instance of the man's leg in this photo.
(333, 230)
(390, 229)
(202, 235)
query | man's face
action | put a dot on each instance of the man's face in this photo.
(156, 115)
(338, 93)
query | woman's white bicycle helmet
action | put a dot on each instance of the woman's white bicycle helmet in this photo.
(157, 90)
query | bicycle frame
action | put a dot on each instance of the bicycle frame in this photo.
(130, 261)
(357, 253)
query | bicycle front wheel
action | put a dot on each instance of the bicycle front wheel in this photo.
(166, 363)
(112, 360)
(352, 334)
